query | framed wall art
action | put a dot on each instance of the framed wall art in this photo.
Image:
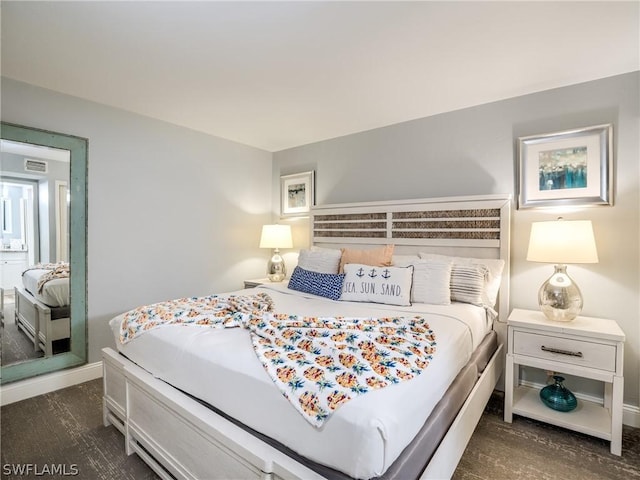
(296, 194)
(569, 168)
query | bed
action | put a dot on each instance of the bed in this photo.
(230, 426)
(42, 308)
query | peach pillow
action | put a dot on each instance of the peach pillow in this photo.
(376, 257)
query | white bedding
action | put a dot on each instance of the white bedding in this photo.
(364, 436)
(55, 292)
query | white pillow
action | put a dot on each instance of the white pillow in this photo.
(494, 275)
(388, 285)
(320, 260)
(324, 249)
(431, 282)
(404, 260)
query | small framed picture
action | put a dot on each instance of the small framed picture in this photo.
(296, 194)
(569, 168)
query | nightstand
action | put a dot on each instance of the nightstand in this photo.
(586, 347)
(259, 281)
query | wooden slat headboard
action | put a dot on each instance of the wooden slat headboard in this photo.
(472, 226)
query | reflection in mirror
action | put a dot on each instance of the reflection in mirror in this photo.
(31, 176)
(43, 210)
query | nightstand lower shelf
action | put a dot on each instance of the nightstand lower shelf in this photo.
(589, 418)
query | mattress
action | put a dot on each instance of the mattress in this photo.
(55, 292)
(414, 458)
(364, 436)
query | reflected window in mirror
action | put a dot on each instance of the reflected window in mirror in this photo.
(7, 217)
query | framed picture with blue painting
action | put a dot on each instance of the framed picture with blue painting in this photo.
(569, 168)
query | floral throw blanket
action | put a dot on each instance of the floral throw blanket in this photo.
(55, 270)
(317, 363)
(214, 310)
(321, 363)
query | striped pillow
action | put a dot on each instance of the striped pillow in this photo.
(494, 267)
(468, 283)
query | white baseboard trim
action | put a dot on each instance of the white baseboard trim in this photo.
(31, 387)
(630, 413)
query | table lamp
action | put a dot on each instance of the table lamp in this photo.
(561, 242)
(276, 237)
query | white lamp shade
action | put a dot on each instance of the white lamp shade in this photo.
(276, 236)
(562, 241)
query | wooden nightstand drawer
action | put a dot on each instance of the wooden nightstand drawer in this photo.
(575, 352)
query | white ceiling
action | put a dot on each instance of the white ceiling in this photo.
(276, 75)
(35, 151)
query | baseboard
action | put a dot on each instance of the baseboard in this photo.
(630, 413)
(31, 387)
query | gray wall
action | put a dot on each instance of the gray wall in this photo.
(472, 151)
(172, 212)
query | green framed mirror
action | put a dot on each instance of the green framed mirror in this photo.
(43, 226)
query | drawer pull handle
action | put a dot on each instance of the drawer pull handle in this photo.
(562, 352)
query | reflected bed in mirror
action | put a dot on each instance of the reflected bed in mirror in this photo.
(42, 251)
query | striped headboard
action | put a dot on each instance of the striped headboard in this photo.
(471, 226)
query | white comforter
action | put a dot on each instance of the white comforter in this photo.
(55, 292)
(364, 436)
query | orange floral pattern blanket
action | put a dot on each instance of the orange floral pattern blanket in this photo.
(216, 311)
(318, 364)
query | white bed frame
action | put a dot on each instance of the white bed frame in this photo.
(180, 438)
(34, 319)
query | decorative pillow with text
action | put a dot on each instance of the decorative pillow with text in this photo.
(388, 285)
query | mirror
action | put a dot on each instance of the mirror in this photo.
(43, 182)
